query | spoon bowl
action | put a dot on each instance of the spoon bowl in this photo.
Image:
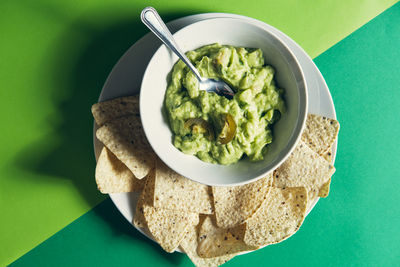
(219, 87)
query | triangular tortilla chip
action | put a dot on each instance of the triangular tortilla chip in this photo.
(112, 176)
(112, 109)
(145, 198)
(316, 127)
(189, 246)
(215, 241)
(176, 192)
(168, 227)
(324, 190)
(125, 138)
(278, 218)
(320, 133)
(235, 204)
(305, 168)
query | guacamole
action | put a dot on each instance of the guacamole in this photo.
(217, 129)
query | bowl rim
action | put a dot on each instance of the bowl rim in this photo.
(301, 117)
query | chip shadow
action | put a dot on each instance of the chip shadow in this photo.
(124, 230)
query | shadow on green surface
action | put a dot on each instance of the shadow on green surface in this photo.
(78, 66)
(121, 227)
(113, 242)
(80, 63)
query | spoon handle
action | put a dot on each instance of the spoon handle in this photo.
(153, 21)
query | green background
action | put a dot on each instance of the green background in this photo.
(54, 59)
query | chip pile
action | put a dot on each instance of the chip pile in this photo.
(210, 224)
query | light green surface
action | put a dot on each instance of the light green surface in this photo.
(54, 58)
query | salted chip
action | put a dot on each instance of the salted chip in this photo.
(146, 198)
(305, 168)
(168, 227)
(320, 133)
(125, 138)
(112, 109)
(278, 218)
(215, 241)
(176, 192)
(189, 246)
(235, 204)
(312, 129)
(324, 190)
(112, 176)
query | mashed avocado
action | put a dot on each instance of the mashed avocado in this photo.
(212, 127)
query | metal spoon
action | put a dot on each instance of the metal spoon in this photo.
(153, 21)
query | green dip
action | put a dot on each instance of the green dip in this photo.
(212, 127)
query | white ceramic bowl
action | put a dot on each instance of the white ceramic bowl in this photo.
(289, 76)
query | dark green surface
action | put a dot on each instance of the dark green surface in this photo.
(357, 225)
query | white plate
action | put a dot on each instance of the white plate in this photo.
(126, 77)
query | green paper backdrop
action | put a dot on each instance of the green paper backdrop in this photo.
(54, 59)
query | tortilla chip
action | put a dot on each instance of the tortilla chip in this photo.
(320, 133)
(146, 199)
(189, 246)
(278, 218)
(176, 192)
(125, 138)
(235, 204)
(215, 241)
(112, 109)
(305, 168)
(324, 190)
(168, 227)
(112, 176)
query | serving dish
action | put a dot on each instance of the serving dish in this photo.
(125, 80)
